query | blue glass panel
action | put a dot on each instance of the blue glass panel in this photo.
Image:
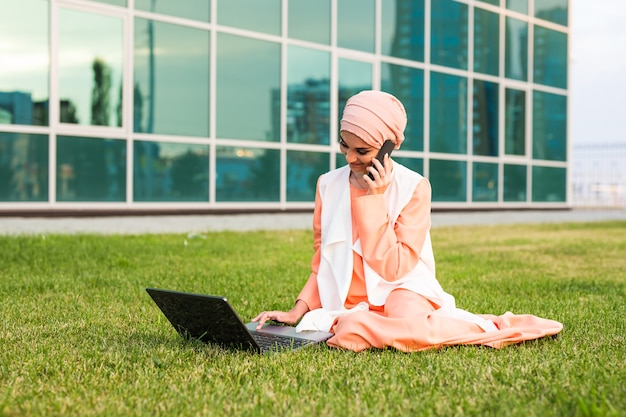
(448, 113)
(514, 182)
(449, 33)
(356, 21)
(448, 180)
(90, 169)
(516, 49)
(415, 164)
(493, 2)
(403, 29)
(260, 16)
(515, 122)
(303, 170)
(485, 118)
(170, 171)
(113, 2)
(549, 184)
(309, 20)
(485, 181)
(550, 57)
(517, 5)
(354, 76)
(23, 167)
(188, 9)
(486, 42)
(549, 126)
(554, 11)
(247, 174)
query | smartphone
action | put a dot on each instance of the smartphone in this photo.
(385, 149)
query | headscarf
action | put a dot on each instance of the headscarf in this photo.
(375, 116)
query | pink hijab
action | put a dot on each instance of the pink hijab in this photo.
(375, 116)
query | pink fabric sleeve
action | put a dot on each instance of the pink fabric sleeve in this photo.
(392, 250)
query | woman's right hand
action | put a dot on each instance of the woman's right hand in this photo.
(290, 317)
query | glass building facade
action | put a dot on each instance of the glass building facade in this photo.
(207, 105)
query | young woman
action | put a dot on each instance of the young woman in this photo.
(373, 281)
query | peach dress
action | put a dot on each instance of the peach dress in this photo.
(407, 321)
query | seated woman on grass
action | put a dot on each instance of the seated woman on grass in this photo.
(373, 280)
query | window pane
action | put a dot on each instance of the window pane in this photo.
(550, 49)
(403, 29)
(514, 185)
(549, 126)
(494, 2)
(114, 2)
(171, 93)
(515, 122)
(415, 164)
(485, 115)
(553, 11)
(188, 9)
(247, 174)
(549, 184)
(448, 113)
(407, 84)
(90, 169)
(170, 171)
(308, 96)
(24, 58)
(260, 16)
(354, 77)
(485, 184)
(449, 34)
(248, 106)
(309, 20)
(517, 5)
(448, 180)
(486, 42)
(303, 169)
(356, 22)
(23, 167)
(90, 68)
(516, 50)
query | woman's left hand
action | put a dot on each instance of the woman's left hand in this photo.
(381, 174)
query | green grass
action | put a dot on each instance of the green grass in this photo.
(79, 336)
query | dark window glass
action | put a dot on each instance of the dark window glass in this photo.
(23, 167)
(188, 9)
(549, 184)
(449, 33)
(550, 57)
(260, 16)
(90, 169)
(415, 164)
(309, 20)
(170, 171)
(485, 181)
(403, 29)
(24, 63)
(356, 22)
(354, 77)
(308, 96)
(407, 84)
(247, 174)
(485, 115)
(486, 42)
(516, 55)
(549, 126)
(517, 5)
(303, 170)
(494, 2)
(514, 182)
(515, 122)
(448, 180)
(554, 11)
(448, 113)
(171, 88)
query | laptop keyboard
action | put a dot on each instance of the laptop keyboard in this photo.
(277, 342)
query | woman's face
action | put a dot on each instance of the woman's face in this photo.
(358, 153)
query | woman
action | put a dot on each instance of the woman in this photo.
(373, 280)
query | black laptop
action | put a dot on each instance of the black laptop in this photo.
(211, 319)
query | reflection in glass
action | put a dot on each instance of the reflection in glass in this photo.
(356, 23)
(415, 164)
(485, 118)
(247, 174)
(171, 88)
(515, 122)
(308, 96)
(170, 171)
(248, 104)
(485, 181)
(550, 59)
(309, 20)
(303, 170)
(516, 55)
(90, 169)
(549, 126)
(494, 2)
(403, 29)
(407, 84)
(514, 183)
(486, 42)
(448, 113)
(553, 11)
(449, 35)
(259, 16)
(354, 77)
(448, 180)
(517, 5)
(114, 2)
(24, 61)
(23, 167)
(549, 184)
(90, 68)
(188, 9)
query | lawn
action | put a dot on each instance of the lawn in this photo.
(79, 336)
